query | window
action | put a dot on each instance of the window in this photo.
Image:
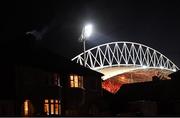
(46, 107)
(52, 107)
(76, 81)
(56, 79)
(26, 107)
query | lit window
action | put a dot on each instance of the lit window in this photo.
(76, 81)
(52, 107)
(56, 79)
(46, 101)
(56, 108)
(46, 108)
(26, 107)
(52, 101)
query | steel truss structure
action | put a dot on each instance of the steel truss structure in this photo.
(124, 54)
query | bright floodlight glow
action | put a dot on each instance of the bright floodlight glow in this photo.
(144, 66)
(174, 70)
(87, 30)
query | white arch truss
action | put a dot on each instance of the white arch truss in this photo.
(124, 54)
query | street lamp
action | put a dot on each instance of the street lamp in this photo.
(86, 32)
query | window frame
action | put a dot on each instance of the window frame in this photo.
(56, 80)
(76, 81)
(51, 106)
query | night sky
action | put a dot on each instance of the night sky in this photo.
(59, 23)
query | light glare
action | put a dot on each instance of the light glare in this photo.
(87, 30)
(144, 66)
(174, 70)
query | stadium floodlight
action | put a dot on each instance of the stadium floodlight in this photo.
(86, 33)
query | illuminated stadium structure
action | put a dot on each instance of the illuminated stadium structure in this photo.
(126, 62)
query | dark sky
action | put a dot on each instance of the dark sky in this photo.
(153, 23)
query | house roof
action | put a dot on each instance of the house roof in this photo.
(29, 53)
(153, 90)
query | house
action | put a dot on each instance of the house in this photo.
(37, 82)
(154, 98)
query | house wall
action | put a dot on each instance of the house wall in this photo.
(7, 90)
(80, 101)
(23, 83)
